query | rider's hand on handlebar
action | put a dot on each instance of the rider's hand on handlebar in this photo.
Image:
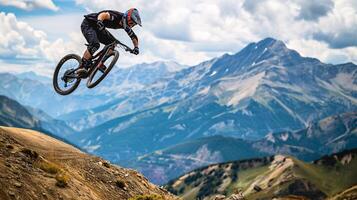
(136, 51)
(100, 25)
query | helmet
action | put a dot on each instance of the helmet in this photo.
(132, 16)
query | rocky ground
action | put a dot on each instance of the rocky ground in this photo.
(36, 166)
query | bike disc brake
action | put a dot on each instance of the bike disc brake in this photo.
(66, 77)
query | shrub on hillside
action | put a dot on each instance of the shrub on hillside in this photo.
(48, 167)
(62, 180)
(147, 197)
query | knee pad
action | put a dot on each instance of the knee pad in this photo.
(92, 48)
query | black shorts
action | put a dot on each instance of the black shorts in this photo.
(93, 35)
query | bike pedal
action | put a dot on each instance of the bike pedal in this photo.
(82, 73)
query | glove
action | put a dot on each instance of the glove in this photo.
(100, 25)
(136, 50)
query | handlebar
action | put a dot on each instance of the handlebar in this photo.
(125, 47)
(117, 42)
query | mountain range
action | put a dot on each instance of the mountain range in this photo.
(329, 135)
(263, 90)
(39, 94)
(13, 114)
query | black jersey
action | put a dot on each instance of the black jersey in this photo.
(114, 21)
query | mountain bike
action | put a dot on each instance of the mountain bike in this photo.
(65, 78)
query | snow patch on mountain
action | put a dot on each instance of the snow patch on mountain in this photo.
(213, 73)
(247, 112)
(167, 136)
(178, 127)
(222, 127)
(284, 137)
(123, 125)
(270, 137)
(204, 91)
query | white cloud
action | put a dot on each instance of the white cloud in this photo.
(339, 28)
(30, 4)
(17, 39)
(55, 26)
(191, 31)
(314, 9)
(21, 43)
(321, 50)
(44, 69)
(188, 31)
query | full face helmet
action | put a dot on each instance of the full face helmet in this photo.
(132, 17)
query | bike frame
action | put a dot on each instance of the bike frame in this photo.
(98, 57)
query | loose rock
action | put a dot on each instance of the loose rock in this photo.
(18, 184)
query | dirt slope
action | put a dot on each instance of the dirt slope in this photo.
(36, 166)
(349, 194)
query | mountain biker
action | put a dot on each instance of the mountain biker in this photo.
(93, 29)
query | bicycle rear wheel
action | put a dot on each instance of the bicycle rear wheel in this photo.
(65, 80)
(97, 74)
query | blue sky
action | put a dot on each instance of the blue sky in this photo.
(35, 34)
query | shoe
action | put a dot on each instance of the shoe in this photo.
(82, 72)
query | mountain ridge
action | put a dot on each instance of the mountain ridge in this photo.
(326, 136)
(274, 177)
(264, 88)
(282, 92)
(13, 114)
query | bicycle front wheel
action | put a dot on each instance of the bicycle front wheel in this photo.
(102, 69)
(65, 79)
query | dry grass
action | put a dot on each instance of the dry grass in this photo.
(61, 177)
(62, 180)
(48, 167)
(148, 197)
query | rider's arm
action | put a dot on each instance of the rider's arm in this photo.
(135, 42)
(103, 16)
(133, 36)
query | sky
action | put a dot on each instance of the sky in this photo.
(36, 34)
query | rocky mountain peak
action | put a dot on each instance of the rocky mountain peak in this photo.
(261, 47)
(258, 56)
(270, 43)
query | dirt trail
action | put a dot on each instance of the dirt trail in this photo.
(32, 164)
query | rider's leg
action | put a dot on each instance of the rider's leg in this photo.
(86, 64)
(86, 59)
(90, 34)
(105, 37)
(87, 55)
